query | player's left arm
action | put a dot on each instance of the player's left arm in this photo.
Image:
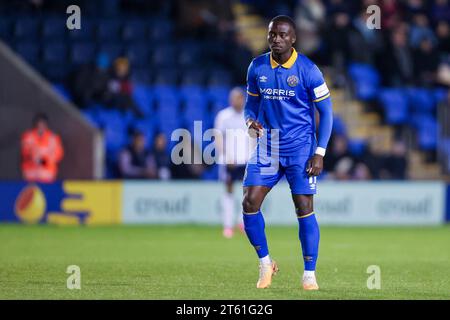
(322, 101)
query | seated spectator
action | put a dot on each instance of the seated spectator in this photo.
(42, 151)
(135, 161)
(361, 172)
(395, 163)
(397, 64)
(161, 156)
(339, 150)
(120, 87)
(426, 62)
(89, 84)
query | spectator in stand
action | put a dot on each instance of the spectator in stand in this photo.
(363, 37)
(240, 57)
(443, 37)
(89, 84)
(396, 164)
(420, 29)
(120, 87)
(361, 172)
(426, 62)
(440, 10)
(390, 14)
(310, 16)
(339, 151)
(136, 161)
(161, 156)
(42, 151)
(397, 64)
(337, 40)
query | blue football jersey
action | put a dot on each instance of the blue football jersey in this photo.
(282, 97)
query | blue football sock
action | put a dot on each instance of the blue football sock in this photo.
(254, 228)
(309, 235)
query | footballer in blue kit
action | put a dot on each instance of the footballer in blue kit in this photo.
(284, 88)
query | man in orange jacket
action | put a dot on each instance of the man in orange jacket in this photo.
(41, 152)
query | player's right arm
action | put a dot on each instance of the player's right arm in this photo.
(251, 107)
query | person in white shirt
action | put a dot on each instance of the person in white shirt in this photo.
(233, 149)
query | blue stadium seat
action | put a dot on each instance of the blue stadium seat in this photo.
(62, 91)
(6, 28)
(141, 76)
(56, 53)
(218, 95)
(190, 54)
(395, 105)
(440, 94)
(366, 80)
(29, 50)
(165, 76)
(160, 29)
(192, 77)
(86, 33)
(165, 56)
(427, 129)
(166, 92)
(109, 30)
(421, 99)
(218, 77)
(115, 129)
(189, 92)
(135, 30)
(194, 110)
(83, 53)
(339, 126)
(143, 98)
(357, 146)
(55, 72)
(147, 126)
(26, 27)
(139, 55)
(168, 117)
(112, 49)
(54, 29)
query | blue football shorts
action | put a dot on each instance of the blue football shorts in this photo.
(264, 170)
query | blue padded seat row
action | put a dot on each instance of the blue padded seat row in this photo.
(146, 126)
(339, 126)
(395, 104)
(26, 27)
(366, 80)
(421, 99)
(83, 53)
(143, 97)
(54, 28)
(357, 146)
(28, 50)
(55, 52)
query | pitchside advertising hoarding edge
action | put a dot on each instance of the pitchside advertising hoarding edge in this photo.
(139, 202)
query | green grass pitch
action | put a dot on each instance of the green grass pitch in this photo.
(194, 262)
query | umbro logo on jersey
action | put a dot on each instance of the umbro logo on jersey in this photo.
(263, 79)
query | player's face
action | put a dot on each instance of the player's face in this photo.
(281, 37)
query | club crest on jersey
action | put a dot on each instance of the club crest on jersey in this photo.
(292, 81)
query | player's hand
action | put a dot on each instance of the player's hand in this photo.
(255, 129)
(315, 165)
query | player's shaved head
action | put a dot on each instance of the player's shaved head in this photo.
(285, 19)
